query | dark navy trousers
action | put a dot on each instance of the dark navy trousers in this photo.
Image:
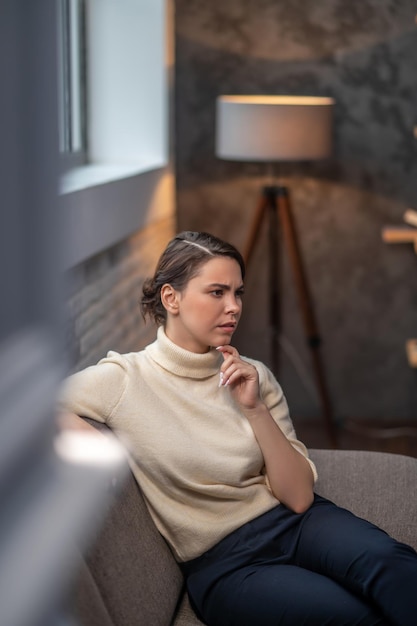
(322, 567)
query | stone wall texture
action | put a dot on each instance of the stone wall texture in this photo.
(363, 53)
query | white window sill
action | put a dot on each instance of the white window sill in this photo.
(92, 175)
(108, 208)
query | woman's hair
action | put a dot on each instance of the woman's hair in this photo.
(181, 261)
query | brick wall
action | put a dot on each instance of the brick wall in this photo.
(103, 297)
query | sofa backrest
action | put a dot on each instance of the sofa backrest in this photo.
(378, 486)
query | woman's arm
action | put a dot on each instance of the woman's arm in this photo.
(289, 473)
(71, 421)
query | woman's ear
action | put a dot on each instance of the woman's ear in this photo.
(169, 299)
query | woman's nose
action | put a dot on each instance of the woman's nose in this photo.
(233, 305)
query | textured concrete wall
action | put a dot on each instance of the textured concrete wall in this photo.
(362, 53)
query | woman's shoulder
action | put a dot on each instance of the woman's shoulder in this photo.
(95, 390)
(119, 365)
(123, 359)
(115, 366)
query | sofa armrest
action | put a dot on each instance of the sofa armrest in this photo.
(130, 565)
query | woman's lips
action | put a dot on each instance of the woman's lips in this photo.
(228, 328)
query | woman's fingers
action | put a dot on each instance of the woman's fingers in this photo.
(230, 355)
(240, 376)
(227, 350)
(233, 367)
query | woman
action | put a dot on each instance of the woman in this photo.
(226, 481)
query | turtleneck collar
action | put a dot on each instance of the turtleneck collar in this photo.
(182, 362)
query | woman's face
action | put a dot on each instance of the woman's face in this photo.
(207, 311)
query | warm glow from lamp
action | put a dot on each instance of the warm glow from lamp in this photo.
(274, 128)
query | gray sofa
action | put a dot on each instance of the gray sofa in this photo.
(128, 576)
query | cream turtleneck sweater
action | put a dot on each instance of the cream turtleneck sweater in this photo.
(190, 448)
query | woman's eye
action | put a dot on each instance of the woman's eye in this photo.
(217, 292)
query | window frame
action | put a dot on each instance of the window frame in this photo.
(72, 49)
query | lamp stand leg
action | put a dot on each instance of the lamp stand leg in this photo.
(267, 204)
(275, 199)
(306, 304)
(255, 227)
(275, 286)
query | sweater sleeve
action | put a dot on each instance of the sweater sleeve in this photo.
(273, 396)
(95, 391)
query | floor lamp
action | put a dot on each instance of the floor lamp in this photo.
(273, 129)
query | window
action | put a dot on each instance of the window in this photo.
(72, 80)
(114, 98)
(127, 167)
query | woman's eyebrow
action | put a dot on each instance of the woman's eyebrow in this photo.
(223, 286)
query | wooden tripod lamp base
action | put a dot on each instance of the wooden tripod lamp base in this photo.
(275, 204)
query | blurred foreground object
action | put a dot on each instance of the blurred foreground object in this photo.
(46, 503)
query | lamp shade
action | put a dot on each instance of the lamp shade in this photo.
(273, 128)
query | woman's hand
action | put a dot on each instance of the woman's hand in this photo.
(241, 377)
